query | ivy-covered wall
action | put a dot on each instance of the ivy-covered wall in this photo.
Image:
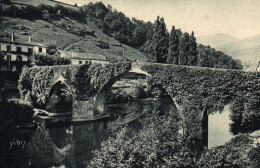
(83, 81)
(209, 90)
(203, 90)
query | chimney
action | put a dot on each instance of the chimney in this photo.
(30, 39)
(12, 38)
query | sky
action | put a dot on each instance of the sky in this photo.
(238, 18)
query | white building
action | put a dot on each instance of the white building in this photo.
(17, 52)
(85, 58)
(77, 61)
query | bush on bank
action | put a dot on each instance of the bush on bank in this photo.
(161, 144)
(14, 112)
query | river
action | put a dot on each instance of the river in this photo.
(71, 145)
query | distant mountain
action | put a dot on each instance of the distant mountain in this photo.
(215, 40)
(247, 50)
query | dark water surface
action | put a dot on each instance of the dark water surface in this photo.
(70, 144)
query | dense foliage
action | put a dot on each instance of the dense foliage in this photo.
(154, 40)
(83, 80)
(239, 152)
(245, 114)
(159, 143)
(163, 142)
(210, 90)
(42, 11)
(14, 112)
(207, 90)
(159, 44)
(209, 57)
(43, 60)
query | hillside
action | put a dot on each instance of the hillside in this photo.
(247, 50)
(39, 2)
(96, 28)
(215, 40)
(68, 34)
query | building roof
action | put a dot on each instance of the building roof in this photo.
(20, 42)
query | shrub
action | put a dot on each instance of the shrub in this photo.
(254, 156)
(49, 60)
(42, 11)
(239, 152)
(159, 143)
(15, 112)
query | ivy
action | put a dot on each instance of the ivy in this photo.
(205, 89)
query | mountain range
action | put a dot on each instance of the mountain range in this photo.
(247, 49)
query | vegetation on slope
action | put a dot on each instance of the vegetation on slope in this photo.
(65, 31)
(153, 39)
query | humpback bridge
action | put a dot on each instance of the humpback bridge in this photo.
(200, 90)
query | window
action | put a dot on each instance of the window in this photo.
(80, 62)
(19, 49)
(8, 48)
(19, 58)
(30, 51)
(40, 49)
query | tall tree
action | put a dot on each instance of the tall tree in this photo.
(160, 42)
(192, 57)
(173, 53)
(184, 49)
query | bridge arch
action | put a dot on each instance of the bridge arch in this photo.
(59, 99)
(99, 102)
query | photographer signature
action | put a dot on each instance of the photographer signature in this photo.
(16, 142)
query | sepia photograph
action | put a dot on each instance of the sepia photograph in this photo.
(129, 84)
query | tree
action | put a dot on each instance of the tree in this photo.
(209, 57)
(184, 49)
(160, 42)
(192, 54)
(173, 53)
(139, 33)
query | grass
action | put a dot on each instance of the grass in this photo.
(63, 33)
(38, 2)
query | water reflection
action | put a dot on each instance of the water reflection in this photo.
(71, 145)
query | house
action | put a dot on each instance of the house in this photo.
(17, 52)
(85, 58)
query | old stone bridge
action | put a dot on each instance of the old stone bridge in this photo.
(196, 90)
